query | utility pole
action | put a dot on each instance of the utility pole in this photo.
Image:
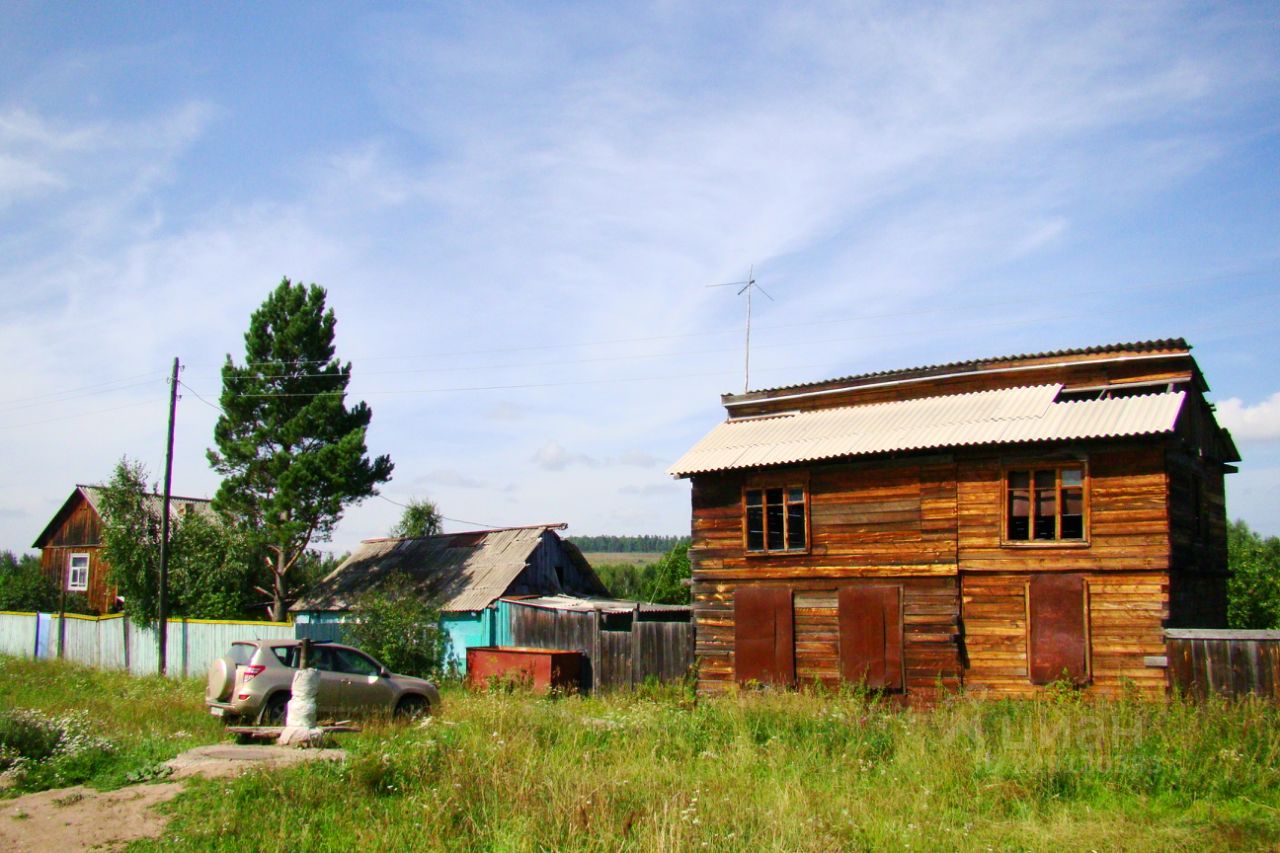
(164, 525)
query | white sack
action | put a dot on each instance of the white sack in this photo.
(301, 712)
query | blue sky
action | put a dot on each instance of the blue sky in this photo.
(516, 209)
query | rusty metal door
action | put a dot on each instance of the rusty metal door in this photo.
(764, 635)
(871, 635)
(1057, 638)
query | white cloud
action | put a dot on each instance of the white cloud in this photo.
(552, 456)
(1259, 422)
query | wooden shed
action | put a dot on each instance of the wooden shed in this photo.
(467, 572)
(71, 544)
(999, 524)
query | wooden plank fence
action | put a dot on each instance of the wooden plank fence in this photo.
(1202, 661)
(619, 653)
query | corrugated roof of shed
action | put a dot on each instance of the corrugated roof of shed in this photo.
(999, 416)
(467, 571)
(585, 604)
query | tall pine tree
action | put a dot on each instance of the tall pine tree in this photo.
(291, 453)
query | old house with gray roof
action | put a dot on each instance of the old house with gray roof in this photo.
(465, 572)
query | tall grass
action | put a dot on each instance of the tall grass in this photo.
(64, 724)
(656, 770)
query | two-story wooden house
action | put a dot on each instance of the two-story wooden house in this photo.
(999, 524)
(71, 543)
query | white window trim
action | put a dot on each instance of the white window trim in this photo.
(72, 586)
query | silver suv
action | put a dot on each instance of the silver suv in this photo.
(252, 682)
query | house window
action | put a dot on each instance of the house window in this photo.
(78, 573)
(1045, 504)
(777, 519)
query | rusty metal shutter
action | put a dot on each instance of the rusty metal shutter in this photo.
(764, 635)
(871, 635)
(1057, 636)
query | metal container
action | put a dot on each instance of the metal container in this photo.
(540, 670)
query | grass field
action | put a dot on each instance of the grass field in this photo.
(659, 770)
(614, 558)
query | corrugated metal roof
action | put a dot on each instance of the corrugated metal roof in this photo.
(588, 603)
(1159, 345)
(93, 496)
(999, 416)
(155, 503)
(467, 571)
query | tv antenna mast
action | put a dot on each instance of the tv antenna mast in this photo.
(746, 287)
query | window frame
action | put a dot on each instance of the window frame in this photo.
(785, 482)
(72, 586)
(1031, 468)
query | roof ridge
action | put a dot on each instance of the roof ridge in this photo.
(1139, 346)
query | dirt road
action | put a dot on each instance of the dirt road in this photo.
(81, 818)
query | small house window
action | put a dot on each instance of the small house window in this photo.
(1045, 504)
(776, 519)
(78, 573)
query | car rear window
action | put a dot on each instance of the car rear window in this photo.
(241, 653)
(287, 655)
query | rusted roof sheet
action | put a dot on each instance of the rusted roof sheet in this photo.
(999, 416)
(467, 571)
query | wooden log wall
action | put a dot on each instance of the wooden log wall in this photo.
(1223, 662)
(934, 526)
(930, 632)
(877, 522)
(1125, 613)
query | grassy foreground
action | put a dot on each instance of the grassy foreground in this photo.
(106, 729)
(656, 770)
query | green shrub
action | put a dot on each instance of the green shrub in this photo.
(38, 751)
(399, 625)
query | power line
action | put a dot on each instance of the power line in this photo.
(944, 309)
(443, 517)
(213, 406)
(81, 415)
(83, 391)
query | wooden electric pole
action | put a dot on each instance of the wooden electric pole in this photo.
(163, 608)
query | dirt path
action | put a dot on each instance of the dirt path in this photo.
(81, 818)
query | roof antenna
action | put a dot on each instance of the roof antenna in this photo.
(746, 287)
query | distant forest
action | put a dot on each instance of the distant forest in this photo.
(628, 544)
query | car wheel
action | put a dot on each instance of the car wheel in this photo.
(412, 707)
(275, 711)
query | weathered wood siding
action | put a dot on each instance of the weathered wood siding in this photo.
(1228, 663)
(871, 522)
(661, 650)
(1197, 541)
(934, 527)
(79, 533)
(1127, 513)
(1125, 624)
(1125, 565)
